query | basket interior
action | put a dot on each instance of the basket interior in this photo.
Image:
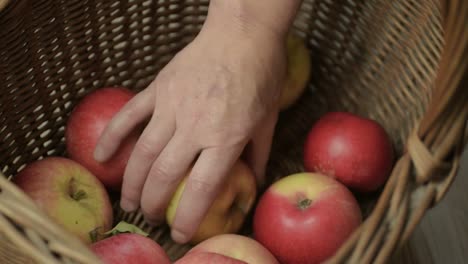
(374, 58)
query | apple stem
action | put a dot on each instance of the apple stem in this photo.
(79, 195)
(304, 203)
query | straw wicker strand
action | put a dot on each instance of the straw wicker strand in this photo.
(402, 63)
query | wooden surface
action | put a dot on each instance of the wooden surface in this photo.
(442, 236)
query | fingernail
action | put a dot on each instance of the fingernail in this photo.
(178, 236)
(99, 154)
(127, 205)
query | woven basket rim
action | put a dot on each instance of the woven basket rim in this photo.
(433, 150)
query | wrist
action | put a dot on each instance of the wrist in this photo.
(264, 19)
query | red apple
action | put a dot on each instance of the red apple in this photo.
(233, 247)
(355, 150)
(69, 194)
(129, 248)
(87, 122)
(305, 218)
(208, 257)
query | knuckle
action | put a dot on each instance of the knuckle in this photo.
(145, 147)
(164, 77)
(130, 110)
(200, 185)
(161, 172)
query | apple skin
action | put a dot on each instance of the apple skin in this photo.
(298, 71)
(241, 248)
(208, 257)
(85, 125)
(228, 211)
(352, 149)
(56, 184)
(129, 248)
(305, 218)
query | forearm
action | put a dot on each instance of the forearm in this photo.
(268, 17)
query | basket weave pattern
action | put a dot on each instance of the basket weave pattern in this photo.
(400, 62)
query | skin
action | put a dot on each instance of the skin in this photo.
(217, 99)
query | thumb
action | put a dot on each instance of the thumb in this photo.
(258, 152)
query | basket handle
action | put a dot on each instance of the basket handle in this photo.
(433, 150)
(441, 134)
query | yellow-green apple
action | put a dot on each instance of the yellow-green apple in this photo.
(84, 127)
(354, 150)
(228, 248)
(129, 248)
(305, 218)
(298, 71)
(72, 196)
(229, 209)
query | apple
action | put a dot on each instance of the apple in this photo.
(352, 149)
(235, 249)
(208, 257)
(85, 125)
(298, 71)
(72, 196)
(129, 248)
(305, 218)
(229, 209)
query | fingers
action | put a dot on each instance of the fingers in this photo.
(165, 175)
(201, 189)
(134, 112)
(259, 149)
(150, 144)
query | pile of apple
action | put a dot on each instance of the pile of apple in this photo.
(300, 218)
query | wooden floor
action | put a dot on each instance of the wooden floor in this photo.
(442, 236)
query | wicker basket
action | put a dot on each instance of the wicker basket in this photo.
(400, 62)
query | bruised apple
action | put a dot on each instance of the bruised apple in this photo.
(298, 71)
(84, 127)
(69, 194)
(229, 209)
(228, 248)
(305, 218)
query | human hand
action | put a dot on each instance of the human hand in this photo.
(217, 96)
